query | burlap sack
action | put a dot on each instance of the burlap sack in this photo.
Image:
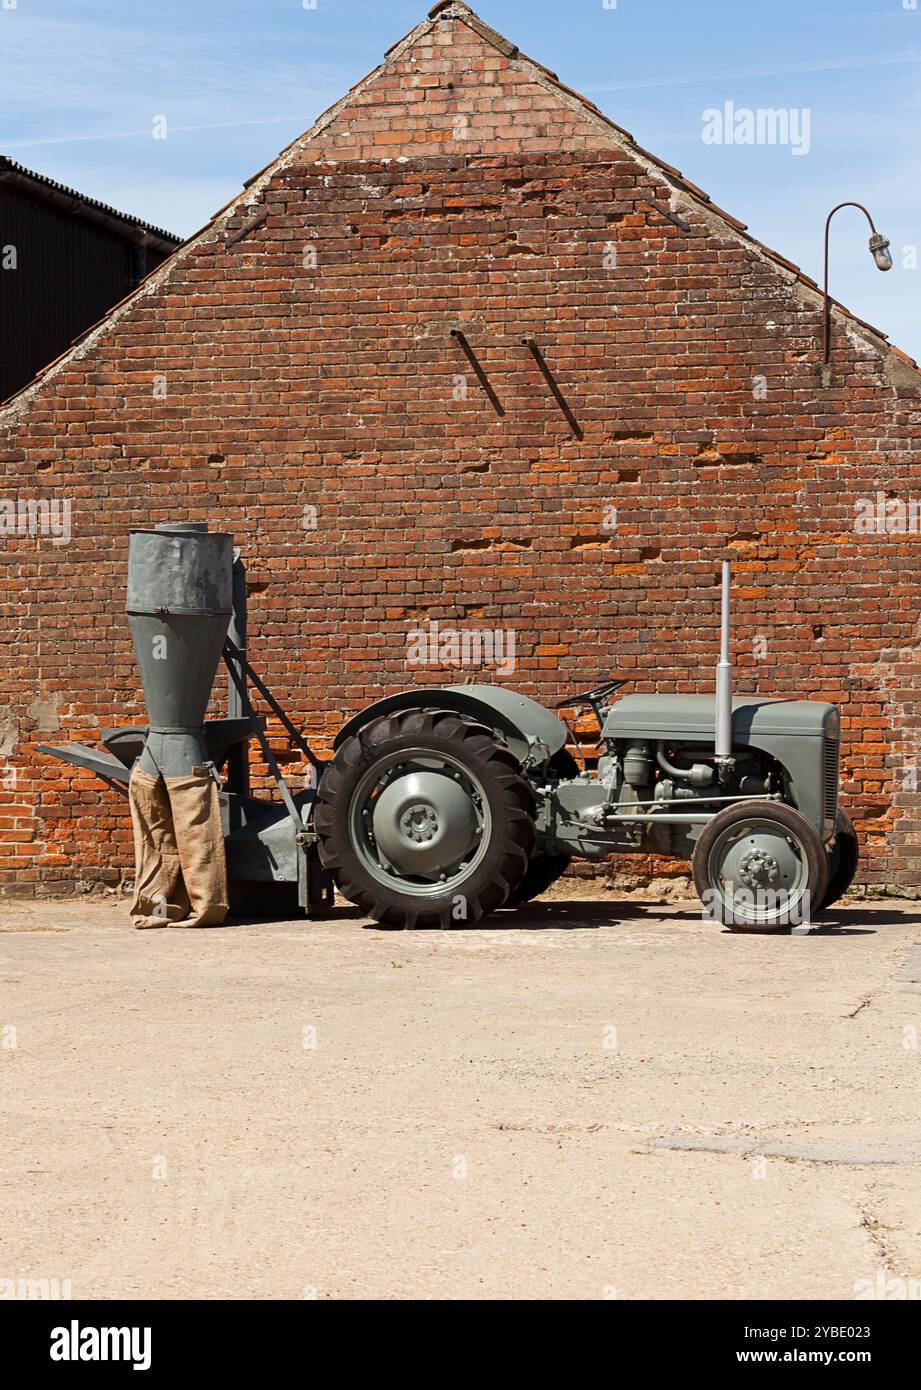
(196, 811)
(180, 865)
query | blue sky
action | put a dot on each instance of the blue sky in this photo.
(81, 82)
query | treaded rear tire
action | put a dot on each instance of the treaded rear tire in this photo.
(510, 804)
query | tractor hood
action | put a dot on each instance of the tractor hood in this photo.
(693, 717)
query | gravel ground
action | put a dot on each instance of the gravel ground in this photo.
(586, 1099)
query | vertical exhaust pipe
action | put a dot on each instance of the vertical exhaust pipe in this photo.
(723, 740)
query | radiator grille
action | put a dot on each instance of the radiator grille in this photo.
(832, 755)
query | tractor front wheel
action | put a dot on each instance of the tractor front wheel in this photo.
(760, 867)
(425, 820)
(843, 859)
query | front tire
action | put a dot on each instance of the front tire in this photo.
(843, 860)
(760, 867)
(425, 820)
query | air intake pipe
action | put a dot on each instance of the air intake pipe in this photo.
(180, 601)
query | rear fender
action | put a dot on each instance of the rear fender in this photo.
(520, 721)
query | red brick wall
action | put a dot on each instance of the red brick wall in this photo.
(692, 367)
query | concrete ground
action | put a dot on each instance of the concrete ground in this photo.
(586, 1099)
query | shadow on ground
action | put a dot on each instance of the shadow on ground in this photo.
(594, 913)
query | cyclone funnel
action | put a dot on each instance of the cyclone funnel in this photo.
(180, 599)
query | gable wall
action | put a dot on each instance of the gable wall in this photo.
(447, 86)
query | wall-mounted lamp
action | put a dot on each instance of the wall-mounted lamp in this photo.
(879, 248)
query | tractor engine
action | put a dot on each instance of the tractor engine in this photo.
(666, 775)
(660, 782)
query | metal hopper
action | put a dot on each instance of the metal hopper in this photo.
(180, 602)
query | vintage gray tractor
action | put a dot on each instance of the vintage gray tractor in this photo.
(440, 806)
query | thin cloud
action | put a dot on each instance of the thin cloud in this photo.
(146, 131)
(788, 70)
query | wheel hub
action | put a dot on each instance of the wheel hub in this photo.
(759, 869)
(425, 823)
(420, 824)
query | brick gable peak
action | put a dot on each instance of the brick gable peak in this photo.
(682, 196)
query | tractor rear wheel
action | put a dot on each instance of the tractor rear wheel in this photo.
(425, 820)
(760, 867)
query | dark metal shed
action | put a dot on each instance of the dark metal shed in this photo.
(64, 261)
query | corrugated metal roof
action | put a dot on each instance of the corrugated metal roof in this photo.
(12, 171)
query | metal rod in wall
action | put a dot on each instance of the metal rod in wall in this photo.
(667, 213)
(461, 339)
(550, 379)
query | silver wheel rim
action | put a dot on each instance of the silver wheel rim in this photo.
(760, 872)
(420, 822)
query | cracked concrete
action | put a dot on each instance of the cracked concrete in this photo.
(859, 1154)
(586, 1099)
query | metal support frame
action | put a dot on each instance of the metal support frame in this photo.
(722, 743)
(231, 658)
(697, 800)
(238, 757)
(310, 876)
(236, 662)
